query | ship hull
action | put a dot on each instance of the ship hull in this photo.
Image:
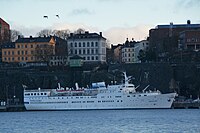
(100, 102)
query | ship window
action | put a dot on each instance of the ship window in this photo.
(34, 93)
(145, 95)
(90, 101)
(38, 93)
(121, 100)
(139, 95)
(133, 95)
(128, 96)
(41, 93)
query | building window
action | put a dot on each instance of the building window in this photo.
(83, 44)
(88, 51)
(4, 52)
(22, 52)
(13, 53)
(83, 51)
(96, 51)
(92, 51)
(88, 58)
(18, 52)
(25, 46)
(96, 57)
(5, 58)
(22, 58)
(26, 52)
(88, 44)
(71, 44)
(13, 58)
(18, 46)
(92, 44)
(26, 58)
(96, 44)
(8, 52)
(80, 51)
(75, 44)
(92, 57)
(31, 46)
(18, 58)
(79, 44)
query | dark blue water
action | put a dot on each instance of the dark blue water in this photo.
(102, 121)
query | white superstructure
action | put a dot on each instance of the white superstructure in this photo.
(99, 96)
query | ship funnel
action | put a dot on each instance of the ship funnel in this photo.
(76, 84)
(58, 85)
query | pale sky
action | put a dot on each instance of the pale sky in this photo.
(117, 19)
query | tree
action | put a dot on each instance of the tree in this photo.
(14, 35)
(79, 31)
(64, 34)
(45, 32)
(142, 55)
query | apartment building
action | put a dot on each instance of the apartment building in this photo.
(90, 46)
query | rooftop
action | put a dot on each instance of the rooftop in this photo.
(86, 35)
(171, 25)
(33, 39)
(8, 45)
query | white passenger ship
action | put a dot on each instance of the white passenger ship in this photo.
(123, 96)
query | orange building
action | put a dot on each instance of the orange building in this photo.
(32, 49)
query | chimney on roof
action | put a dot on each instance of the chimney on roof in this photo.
(100, 33)
(31, 37)
(19, 36)
(86, 32)
(188, 22)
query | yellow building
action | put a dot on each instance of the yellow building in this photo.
(32, 49)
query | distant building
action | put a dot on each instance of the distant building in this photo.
(117, 52)
(127, 52)
(4, 34)
(61, 53)
(189, 40)
(4, 31)
(142, 45)
(90, 46)
(164, 38)
(32, 49)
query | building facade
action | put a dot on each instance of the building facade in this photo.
(127, 52)
(4, 31)
(142, 45)
(32, 49)
(164, 38)
(90, 46)
(189, 40)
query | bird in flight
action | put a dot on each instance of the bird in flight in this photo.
(57, 16)
(45, 16)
